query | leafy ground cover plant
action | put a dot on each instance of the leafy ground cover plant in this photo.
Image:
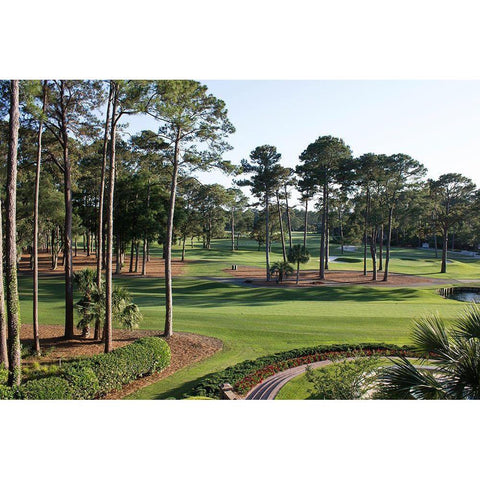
(344, 379)
(95, 376)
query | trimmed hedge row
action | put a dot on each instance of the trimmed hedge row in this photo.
(209, 386)
(96, 376)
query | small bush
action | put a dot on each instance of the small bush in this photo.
(49, 388)
(344, 380)
(125, 364)
(93, 377)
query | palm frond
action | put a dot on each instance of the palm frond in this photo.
(404, 381)
(430, 336)
(468, 325)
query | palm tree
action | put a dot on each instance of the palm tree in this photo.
(92, 305)
(281, 269)
(457, 369)
(87, 282)
(298, 254)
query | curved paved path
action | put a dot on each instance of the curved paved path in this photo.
(269, 388)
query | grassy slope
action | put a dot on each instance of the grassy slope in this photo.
(256, 321)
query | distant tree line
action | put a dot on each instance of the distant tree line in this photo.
(71, 177)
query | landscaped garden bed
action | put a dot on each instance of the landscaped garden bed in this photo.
(95, 376)
(245, 375)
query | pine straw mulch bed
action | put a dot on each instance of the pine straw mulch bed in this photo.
(310, 278)
(155, 266)
(186, 349)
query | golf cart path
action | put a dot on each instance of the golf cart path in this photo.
(268, 389)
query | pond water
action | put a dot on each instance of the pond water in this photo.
(465, 296)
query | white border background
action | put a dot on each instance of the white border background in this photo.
(216, 39)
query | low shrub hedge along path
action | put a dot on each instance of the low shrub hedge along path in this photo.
(245, 375)
(269, 389)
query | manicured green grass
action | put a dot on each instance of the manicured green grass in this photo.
(298, 388)
(257, 321)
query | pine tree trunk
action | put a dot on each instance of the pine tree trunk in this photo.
(118, 257)
(168, 330)
(132, 246)
(144, 256)
(36, 335)
(435, 244)
(101, 199)
(365, 224)
(282, 233)
(267, 237)
(342, 241)
(444, 251)
(232, 228)
(380, 250)
(323, 235)
(183, 247)
(137, 244)
(373, 253)
(389, 241)
(67, 244)
(289, 224)
(108, 331)
(327, 231)
(305, 224)
(327, 246)
(13, 306)
(3, 318)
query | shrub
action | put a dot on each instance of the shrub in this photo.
(93, 377)
(117, 368)
(254, 371)
(49, 388)
(344, 380)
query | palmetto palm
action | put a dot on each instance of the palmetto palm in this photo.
(281, 269)
(298, 254)
(456, 374)
(92, 305)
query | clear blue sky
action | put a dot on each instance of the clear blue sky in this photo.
(436, 122)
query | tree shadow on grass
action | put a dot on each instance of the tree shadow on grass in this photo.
(177, 393)
(212, 294)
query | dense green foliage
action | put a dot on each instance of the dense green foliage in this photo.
(48, 388)
(96, 376)
(210, 385)
(344, 380)
(457, 370)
